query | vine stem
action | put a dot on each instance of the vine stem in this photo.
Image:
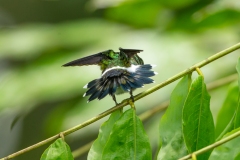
(214, 145)
(126, 101)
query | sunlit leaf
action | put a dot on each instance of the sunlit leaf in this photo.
(96, 150)
(57, 151)
(172, 142)
(227, 151)
(198, 126)
(128, 139)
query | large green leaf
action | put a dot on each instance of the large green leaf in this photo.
(57, 151)
(171, 138)
(237, 118)
(227, 110)
(198, 126)
(96, 150)
(227, 151)
(128, 139)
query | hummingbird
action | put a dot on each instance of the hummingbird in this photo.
(122, 71)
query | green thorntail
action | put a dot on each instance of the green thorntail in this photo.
(122, 71)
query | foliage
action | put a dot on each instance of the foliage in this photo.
(186, 127)
(57, 151)
(227, 150)
(127, 139)
(96, 151)
(198, 126)
(170, 129)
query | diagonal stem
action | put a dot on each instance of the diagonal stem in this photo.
(126, 101)
(214, 145)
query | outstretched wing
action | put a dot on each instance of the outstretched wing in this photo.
(130, 52)
(89, 60)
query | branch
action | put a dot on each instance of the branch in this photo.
(214, 145)
(126, 101)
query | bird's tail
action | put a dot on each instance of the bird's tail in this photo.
(119, 77)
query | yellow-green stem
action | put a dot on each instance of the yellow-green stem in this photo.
(214, 145)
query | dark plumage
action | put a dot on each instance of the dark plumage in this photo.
(119, 80)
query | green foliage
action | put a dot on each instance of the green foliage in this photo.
(128, 139)
(172, 143)
(237, 157)
(186, 127)
(198, 126)
(127, 13)
(58, 150)
(177, 4)
(227, 110)
(237, 118)
(229, 150)
(98, 146)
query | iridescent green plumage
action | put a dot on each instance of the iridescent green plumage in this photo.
(109, 58)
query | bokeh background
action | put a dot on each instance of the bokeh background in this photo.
(39, 98)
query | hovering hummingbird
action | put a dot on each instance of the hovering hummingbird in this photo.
(122, 72)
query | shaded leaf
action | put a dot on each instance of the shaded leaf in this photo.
(128, 139)
(129, 13)
(177, 4)
(227, 151)
(96, 150)
(57, 151)
(228, 128)
(172, 142)
(227, 110)
(237, 118)
(198, 126)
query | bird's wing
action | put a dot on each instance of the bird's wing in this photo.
(130, 52)
(89, 60)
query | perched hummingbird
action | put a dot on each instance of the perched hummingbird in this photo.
(122, 72)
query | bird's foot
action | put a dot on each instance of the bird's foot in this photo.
(131, 100)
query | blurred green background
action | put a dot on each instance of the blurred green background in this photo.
(39, 98)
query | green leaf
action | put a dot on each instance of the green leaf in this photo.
(172, 142)
(128, 139)
(237, 157)
(57, 151)
(198, 126)
(227, 151)
(237, 118)
(228, 128)
(96, 150)
(227, 111)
